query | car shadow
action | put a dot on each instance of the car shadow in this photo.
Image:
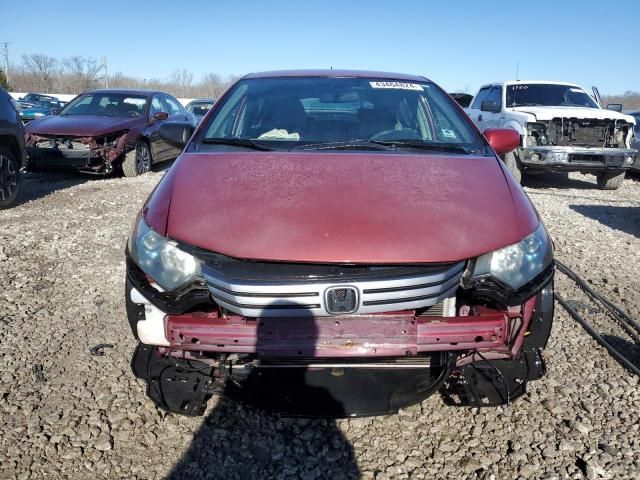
(35, 185)
(630, 350)
(261, 427)
(556, 180)
(625, 219)
(239, 441)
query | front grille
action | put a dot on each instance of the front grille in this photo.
(423, 287)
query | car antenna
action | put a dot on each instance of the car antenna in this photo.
(517, 69)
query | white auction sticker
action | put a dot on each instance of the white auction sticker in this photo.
(398, 85)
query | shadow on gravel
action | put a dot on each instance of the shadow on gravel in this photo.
(557, 180)
(237, 441)
(42, 183)
(625, 219)
(245, 436)
(630, 350)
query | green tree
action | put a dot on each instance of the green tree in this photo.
(4, 83)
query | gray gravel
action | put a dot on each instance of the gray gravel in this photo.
(61, 292)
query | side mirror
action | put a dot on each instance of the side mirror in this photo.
(176, 134)
(160, 116)
(502, 140)
(489, 106)
(616, 107)
(55, 111)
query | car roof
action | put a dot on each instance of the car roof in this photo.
(132, 91)
(203, 100)
(337, 73)
(546, 82)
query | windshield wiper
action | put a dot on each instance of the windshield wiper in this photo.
(442, 147)
(349, 145)
(238, 142)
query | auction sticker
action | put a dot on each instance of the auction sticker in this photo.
(397, 85)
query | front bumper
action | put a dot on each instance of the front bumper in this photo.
(576, 158)
(80, 159)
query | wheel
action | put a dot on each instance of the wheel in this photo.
(610, 180)
(9, 178)
(513, 165)
(137, 161)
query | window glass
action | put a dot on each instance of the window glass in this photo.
(494, 96)
(481, 97)
(107, 104)
(548, 95)
(292, 110)
(156, 106)
(173, 105)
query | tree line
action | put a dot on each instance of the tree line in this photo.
(42, 73)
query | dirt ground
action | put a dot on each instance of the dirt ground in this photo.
(61, 292)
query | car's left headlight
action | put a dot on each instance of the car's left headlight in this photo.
(162, 258)
(517, 264)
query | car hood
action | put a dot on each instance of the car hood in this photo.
(340, 207)
(79, 125)
(549, 113)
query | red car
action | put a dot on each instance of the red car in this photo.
(103, 129)
(338, 243)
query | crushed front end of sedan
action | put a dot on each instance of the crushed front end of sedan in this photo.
(336, 244)
(88, 153)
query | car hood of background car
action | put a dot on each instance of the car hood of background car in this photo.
(549, 113)
(340, 207)
(79, 125)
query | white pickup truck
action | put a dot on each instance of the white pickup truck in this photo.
(562, 128)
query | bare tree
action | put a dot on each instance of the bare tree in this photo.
(180, 82)
(81, 73)
(43, 70)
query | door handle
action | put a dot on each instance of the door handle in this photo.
(480, 117)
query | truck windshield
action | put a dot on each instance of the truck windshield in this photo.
(548, 95)
(338, 112)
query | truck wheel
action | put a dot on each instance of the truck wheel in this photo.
(513, 165)
(9, 178)
(610, 180)
(137, 161)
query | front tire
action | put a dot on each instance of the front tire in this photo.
(9, 178)
(610, 180)
(137, 161)
(513, 165)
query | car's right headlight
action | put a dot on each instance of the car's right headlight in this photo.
(162, 258)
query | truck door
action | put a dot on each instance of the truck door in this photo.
(493, 119)
(474, 111)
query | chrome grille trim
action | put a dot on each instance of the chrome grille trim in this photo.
(289, 299)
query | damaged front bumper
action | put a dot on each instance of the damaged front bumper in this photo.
(88, 154)
(342, 365)
(564, 158)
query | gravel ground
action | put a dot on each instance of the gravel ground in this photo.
(61, 292)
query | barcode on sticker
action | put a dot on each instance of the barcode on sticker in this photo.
(397, 85)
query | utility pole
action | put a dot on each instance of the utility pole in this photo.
(106, 72)
(5, 52)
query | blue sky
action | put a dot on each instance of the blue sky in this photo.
(459, 44)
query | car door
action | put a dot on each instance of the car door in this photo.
(493, 119)
(176, 113)
(474, 111)
(159, 149)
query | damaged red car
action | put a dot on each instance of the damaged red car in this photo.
(338, 243)
(104, 129)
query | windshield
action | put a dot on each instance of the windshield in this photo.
(107, 105)
(297, 112)
(199, 108)
(548, 95)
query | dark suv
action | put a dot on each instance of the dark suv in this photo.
(12, 151)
